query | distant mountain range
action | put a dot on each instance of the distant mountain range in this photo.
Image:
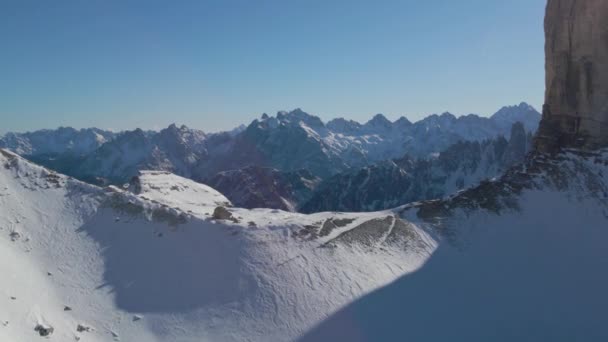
(391, 183)
(281, 159)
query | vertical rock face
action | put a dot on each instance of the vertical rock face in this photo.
(576, 99)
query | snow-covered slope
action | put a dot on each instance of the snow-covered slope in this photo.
(518, 258)
(522, 258)
(177, 192)
(144, 267)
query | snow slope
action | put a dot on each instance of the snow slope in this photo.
(140, 267)
(177, 192)
(518, 258)
(521, 259)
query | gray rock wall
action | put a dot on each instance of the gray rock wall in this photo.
(576, 99)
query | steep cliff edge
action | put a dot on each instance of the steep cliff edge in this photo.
(575, 113)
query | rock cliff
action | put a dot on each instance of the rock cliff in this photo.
(575, 113)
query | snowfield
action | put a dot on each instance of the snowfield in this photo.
(155, 266)
(518, 258)
(531, 270)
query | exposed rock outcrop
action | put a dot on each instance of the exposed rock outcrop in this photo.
(575, 113)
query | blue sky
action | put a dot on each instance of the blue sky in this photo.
(123, 64)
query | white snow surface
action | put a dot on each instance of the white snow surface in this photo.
(532, 274)
(179, 193)
(154, 267)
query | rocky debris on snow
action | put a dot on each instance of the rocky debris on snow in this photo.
(405, 237)
(221, 213)
(115, 335)
(309, 231)
(83, 328)
(44, 329)
(13, 298)
(330, 224)
(67, 308)
(322, 228)
(386, 232)
(14, 235)
(365, 234)
(137, 318)
(54, 179)
(5, 323)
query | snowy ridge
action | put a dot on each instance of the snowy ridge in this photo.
(177, 192)
(131, 266)
(519, 258)
(138, 267)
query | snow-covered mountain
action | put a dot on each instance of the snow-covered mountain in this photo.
(306, 141)
(170, 261)
(289, 142)
(174, 149)
(391, 183)
(56, 142)
(518, 259)
(523, 113)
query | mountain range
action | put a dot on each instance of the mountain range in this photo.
(518, 257)
(275, 162)
(391, 183)
(168, 259)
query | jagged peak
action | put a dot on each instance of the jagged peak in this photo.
(176, 129)
(520, 109)
(402, 121)
(343, 125)
(295, 117)
(379, 120)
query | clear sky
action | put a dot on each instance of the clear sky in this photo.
(212, 65)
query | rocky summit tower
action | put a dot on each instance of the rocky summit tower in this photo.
(575, 113)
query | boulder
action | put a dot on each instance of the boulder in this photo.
(44, 330)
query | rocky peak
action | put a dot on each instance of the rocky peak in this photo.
(342, 125)
(508, 112)
(575, 113)
(518, 145)
(524, 113)
(379, 121)
(297, 115)
(402, 122)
